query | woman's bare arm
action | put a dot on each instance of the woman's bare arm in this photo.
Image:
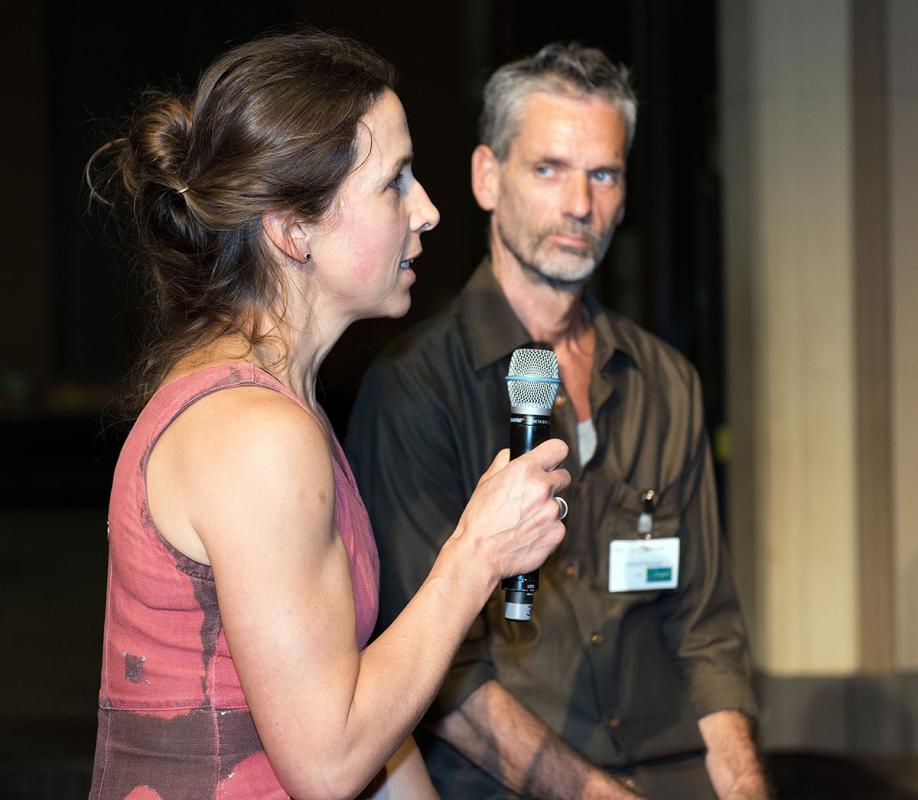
(253, 473)
(404, 777)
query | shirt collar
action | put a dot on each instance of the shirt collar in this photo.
(492, 330)
(612, 335)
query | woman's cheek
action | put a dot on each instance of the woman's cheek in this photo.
(372, 252)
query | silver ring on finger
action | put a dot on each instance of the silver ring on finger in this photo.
(562, 505)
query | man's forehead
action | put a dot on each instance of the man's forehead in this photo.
(547, 116)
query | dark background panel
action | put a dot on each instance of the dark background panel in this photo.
(664, 265)
(70, 316)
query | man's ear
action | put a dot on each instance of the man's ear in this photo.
(286, 235)
(485, 177)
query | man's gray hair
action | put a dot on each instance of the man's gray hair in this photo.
(558, 68)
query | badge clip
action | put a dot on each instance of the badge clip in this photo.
(645, 520)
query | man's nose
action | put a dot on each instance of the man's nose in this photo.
(578, 196)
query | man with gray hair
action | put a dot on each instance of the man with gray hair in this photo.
(631, 679)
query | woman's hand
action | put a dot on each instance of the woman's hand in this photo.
(512, 521)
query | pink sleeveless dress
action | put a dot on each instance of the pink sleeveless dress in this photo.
(173, 721)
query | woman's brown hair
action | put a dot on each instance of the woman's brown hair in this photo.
(271, 127)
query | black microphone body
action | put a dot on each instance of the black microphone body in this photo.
(527, 431)
(532, 385)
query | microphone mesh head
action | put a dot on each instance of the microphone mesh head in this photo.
(533, 381)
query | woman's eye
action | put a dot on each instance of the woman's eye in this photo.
(398, 182)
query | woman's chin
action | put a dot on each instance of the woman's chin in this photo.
(394, 309)
(399, 313)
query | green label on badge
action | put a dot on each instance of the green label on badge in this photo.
(659, 574)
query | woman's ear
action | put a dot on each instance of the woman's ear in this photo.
(290, 237)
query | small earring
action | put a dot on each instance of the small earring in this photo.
(307, 256)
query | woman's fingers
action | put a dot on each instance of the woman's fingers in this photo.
(543, 462)
(512, 515)
(559, 479)
(549, 454)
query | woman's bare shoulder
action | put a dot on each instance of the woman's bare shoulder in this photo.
(242, 449)
(256, 419)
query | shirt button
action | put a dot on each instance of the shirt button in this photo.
(596, 639)
(628, 783)
(560, 401)
(570, 570)
(580, 484)
(614, 723)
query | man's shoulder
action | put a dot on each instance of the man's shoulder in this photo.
(432, 334)
(655, 358)
(429, 353)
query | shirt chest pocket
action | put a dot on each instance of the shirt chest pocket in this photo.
(621, 520)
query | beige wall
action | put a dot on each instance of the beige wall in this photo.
(903, 171)
(822, 318)
(789, 107)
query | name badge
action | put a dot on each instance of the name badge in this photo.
(639, 564)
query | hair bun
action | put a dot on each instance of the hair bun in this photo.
(159, 138)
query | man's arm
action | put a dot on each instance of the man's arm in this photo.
(404, 455)
(732, 762)
(704, 627)
(493, 730)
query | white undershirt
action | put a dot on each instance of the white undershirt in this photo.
(586, 440)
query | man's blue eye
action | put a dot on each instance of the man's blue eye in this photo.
(605, 176)
(543, 169)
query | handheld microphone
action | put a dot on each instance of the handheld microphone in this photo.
(533, 384)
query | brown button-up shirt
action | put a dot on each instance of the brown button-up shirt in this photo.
(432, 413)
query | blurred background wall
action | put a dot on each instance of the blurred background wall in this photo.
(819, 112)
(772, 198)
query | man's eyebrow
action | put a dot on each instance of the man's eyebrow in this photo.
(551, 162)
(561, 162)
(613, 168)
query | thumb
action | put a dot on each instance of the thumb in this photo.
(500, 461)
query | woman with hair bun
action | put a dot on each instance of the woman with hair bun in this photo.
(272, 209)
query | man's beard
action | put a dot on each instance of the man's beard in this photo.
(553, 275)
